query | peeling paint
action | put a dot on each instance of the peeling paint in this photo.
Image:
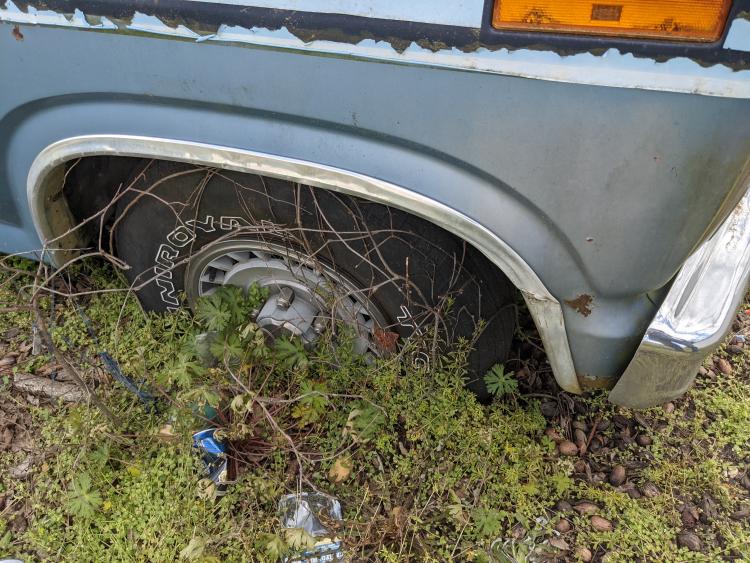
(738, 37)
(11, 13)
(607, 68)
(152, 24)
(581, 304)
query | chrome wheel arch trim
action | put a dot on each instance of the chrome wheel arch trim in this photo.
(544, 308)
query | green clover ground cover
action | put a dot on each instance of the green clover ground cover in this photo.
(423, 471)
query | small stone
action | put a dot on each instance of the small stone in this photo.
(21, 470)
(643, 440)
(563, 526)
(19, 524)
(650, 490)
(580, 437)
(702, 371)
(567, 448)
(710, 512)
(11, 333)
(601, 524)
(554, 435)
(741, 514)
(584, 554)
(711, 374)
(620, 421)
(586, 507)
(579, 425)
(688, 520)
(724, 366)
(735, 350)
(689, 540)
(668, 407)
(563, 506)
(603, 425)
(745, 481)
(518, 531)
(617, 476)
(634, 493)
(549, 409)
(7, 362)
(579, 466)
(559, 543)
(7, 439)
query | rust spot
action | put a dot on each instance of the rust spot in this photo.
(385, 341)
(17, 33)
(606, 12)
(582, 304)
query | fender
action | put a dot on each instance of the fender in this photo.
(43, 181)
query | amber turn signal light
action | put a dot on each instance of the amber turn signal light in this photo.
(686, 20)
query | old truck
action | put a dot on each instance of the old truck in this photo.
(402, 168)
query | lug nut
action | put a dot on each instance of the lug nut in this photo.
(319, 325)
(285, 297)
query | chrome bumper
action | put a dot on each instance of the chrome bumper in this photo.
(694, 317)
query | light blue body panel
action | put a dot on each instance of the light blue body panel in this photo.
(603, 191)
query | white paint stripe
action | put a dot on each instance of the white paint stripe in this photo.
(610, 69)
(152, 24)
(463, 13)
(739, 36)
(13, 13)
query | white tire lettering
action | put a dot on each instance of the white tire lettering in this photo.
(169, 252)
(206, 226)
(168, 294)
(231, 223)
(181, 236)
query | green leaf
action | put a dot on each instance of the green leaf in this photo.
(83, 500)
(365, 421)
(313, 404)
(562, 483)
(230, 347)
(487, 522)
(299, 538)
(194, 549)
(500, 383)
(275, 547)
(291, 353)
(213, 312)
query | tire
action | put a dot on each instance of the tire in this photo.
(401, 265)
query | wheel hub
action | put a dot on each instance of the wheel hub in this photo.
(304, 297)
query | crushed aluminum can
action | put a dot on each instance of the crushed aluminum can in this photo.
(214, 456)
(303, 511)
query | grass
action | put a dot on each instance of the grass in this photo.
(423, 471)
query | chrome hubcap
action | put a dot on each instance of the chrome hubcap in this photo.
(304, 299)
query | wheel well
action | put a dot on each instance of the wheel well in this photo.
(57, 202)
(91, 184)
